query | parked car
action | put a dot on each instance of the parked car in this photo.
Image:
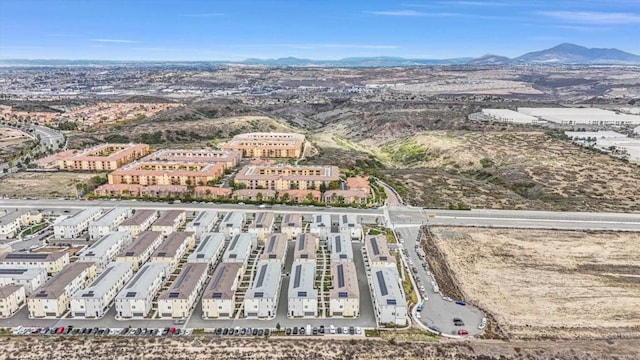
(295, 331)
(60, 330)
(287, 331)
(458, 322)
(460, 302)
(321, 329)
(352, 330)
(463, 332)
(172, 330)
(260, 332)
(358, 331)
(255, 332)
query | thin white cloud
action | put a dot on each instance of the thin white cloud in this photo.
(591, 17)
(122, 41)
(582, 28)
(410, 13)
(204, 15)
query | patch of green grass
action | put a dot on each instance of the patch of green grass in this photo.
(406, 151)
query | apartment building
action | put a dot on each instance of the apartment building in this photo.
(208, 250)
(262, 225)
(135, 300)
(169, 221)
(340, 247)
(299, 196)
(140, 251)
(219, 298)
(254, 194)
(178, 301)
(232, 223)
(54, 262)
(52, 299)
(306, 247)
(291, 225)
(303, 297)
(173, 248)
(108, 222)
(230, 158)
(12, 297)
(344, 297)
(93, 301)
(105, 249)
(320, 225)
(389, 303)
(240, 248)
(167, 173)
(9, 224)
(377, 252)
(267, 145)
(275, 248)
(345, 197)
(103, 157)
(29, 278)
(139, 222)
(287, 177)
(261, 299)
(348, 224)
(72, 227)
(203, 223)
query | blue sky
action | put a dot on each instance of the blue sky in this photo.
(322, 29)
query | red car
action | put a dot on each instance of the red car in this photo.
(60, 330)
(172, 330)
(463, 332)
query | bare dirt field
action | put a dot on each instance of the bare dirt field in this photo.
(42, 184)
(205, 347)
(548, 284)
(12, 141)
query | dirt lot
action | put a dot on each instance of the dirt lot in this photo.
(204, 347)
(42, 184)
(548, 284)
(12, 141)
(511, 170)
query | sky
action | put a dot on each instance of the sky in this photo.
(322, 29)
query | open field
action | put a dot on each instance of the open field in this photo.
(510, 170)
(42, 184)
(12, 141)
(205, 347)
(548, 284)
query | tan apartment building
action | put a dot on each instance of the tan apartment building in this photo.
(219, 298)
(344, 297)
(377, 251)
(262, 225)
(140, 251)
(53, 298)
(139, 222)
(173, 248)
(11, 299)
(299, 196)
(291, 225)
(149, 173)
(169, 221)
(286, 177)
(179, 299)
(103, 157)
(230, 158)
(267, 145)
(54, 262)
(254, 194)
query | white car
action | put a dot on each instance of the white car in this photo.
(358, 331)
(417, 315)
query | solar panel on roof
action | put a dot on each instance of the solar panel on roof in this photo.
(340, 269)
(162, 254)
(343, 294)
(301, 243)
(12, 271)
(338, 247)
(200, 256)
(129, 253)
(272, 244)
(263, 273)
(304, 256)
(296, 281)
(233, 256)
(234, 242)
(391, 301)
(174, 295)
(30, 256)
(258, 294)
(88, 294)
(216, 279)
(181, 278)
(131, 294)
(381, 283)
(216, 295)
(302, 294)
(383, 258)
(41, 294)
(374, 246)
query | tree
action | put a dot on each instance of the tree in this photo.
(285, 198)
(323, 188)
(309, 197)
(259, 196)
(334, 185)
(278, 326)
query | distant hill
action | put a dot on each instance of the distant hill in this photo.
(560, 54)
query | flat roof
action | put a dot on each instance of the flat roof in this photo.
(340, 246)
(102, 245)
(204, 218)
(108, 218)
(377, 249)
(291, 220)
(22, 273)
(320, 221)
(305, 246)
(186, 282)
(580, 115)
(288, 172)
(223, 284)
(82, 216)
(139, 217)
(141, 243)
(169, 247)
(275, 247)
(301, 283)
(238, 247)
(511, 115)
(263, 220)
(232, 219)
(208, 247)
(386, 286)
(344, 280)
(139, 286)
(54, 288)
(101, 285)
(199, 155)
(119, 151)
(266, 281)
(32, 257)
(168, 218)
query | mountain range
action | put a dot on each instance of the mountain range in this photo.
(561, 54)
